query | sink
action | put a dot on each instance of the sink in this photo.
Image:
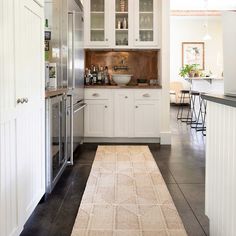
(121, 79)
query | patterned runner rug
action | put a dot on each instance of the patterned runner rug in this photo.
(126, 196)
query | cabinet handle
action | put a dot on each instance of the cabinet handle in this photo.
(126, 97)
(136, 106)
(106, 39)
(146, 95)
(105, 106)
(95, 95)
(136, 39)
(20, 100)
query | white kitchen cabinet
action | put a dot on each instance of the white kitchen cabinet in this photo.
(146, 23)
(22, 159)
(109, 25)
(97, 23)
(122, 23)
(146, 119)
(98, 118)
(123, 113)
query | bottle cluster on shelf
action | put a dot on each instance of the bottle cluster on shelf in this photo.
(97, 75)
(122, 23)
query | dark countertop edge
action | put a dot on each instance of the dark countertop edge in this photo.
(221, 99)
(123, 87)
(55, 92)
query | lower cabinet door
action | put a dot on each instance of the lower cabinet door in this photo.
(123, 114)
(98, 119)
(146, 119)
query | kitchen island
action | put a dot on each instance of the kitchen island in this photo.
(206, 84)
(221, 164)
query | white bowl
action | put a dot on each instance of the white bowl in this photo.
(121, 79)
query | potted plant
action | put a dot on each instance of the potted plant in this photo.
(196, 70)
(187, 70)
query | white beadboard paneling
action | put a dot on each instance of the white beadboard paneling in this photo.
(9, 220)
(9, 215)
(220, 169)
(7, 70)
(22, 167)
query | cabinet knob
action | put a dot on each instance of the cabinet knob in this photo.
(146, 95)
(106, 39)
(105, 106)
(20, 100)
(95, 95)
(136, 106)
(136, 39)
(126, 97)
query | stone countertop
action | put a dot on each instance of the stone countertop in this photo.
(55, 92)
(124, 87)
(203, 78)
(221, 99)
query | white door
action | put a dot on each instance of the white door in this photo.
(146, 120)
(123, 113)
(21, 124)
(9, 217)
(98, 119)
(30, 114)
(97, 23)
(146, 26)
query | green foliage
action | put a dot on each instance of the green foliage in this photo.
(187, 70)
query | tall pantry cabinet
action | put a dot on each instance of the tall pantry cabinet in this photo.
(22, 158)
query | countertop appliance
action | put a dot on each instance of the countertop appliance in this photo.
(65, 128)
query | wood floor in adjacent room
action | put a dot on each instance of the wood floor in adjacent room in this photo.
(182, 166)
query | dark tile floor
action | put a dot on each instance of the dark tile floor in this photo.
(182, 166)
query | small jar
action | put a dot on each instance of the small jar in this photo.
(118, 24)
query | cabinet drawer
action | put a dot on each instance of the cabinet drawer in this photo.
(147, 94)
(97, 94)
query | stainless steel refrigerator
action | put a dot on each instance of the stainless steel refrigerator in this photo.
(75, 73)
(65, 125)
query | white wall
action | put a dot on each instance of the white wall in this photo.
(191, 29)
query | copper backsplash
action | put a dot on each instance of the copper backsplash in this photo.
(141, 64)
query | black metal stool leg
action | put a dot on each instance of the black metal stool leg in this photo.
(180, 105)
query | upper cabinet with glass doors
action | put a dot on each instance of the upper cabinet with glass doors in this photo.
(122, 23)
(96, 22)
(146, 27)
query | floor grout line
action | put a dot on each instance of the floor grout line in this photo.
(189, 205)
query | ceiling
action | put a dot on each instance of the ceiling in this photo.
(203, 4)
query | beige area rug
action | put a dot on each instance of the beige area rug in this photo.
(126, 196)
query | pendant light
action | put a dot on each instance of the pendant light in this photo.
(207, 36)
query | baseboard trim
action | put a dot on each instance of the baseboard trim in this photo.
(121, 140)
(166, 138)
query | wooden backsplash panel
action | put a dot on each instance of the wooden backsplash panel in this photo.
(141, 64)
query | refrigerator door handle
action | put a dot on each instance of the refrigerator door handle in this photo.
(72, 56)
(73, 49)
(81, 107)
(71, 161)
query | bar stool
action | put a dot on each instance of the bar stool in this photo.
(200, 126)
(184, 96)
(192, 113)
